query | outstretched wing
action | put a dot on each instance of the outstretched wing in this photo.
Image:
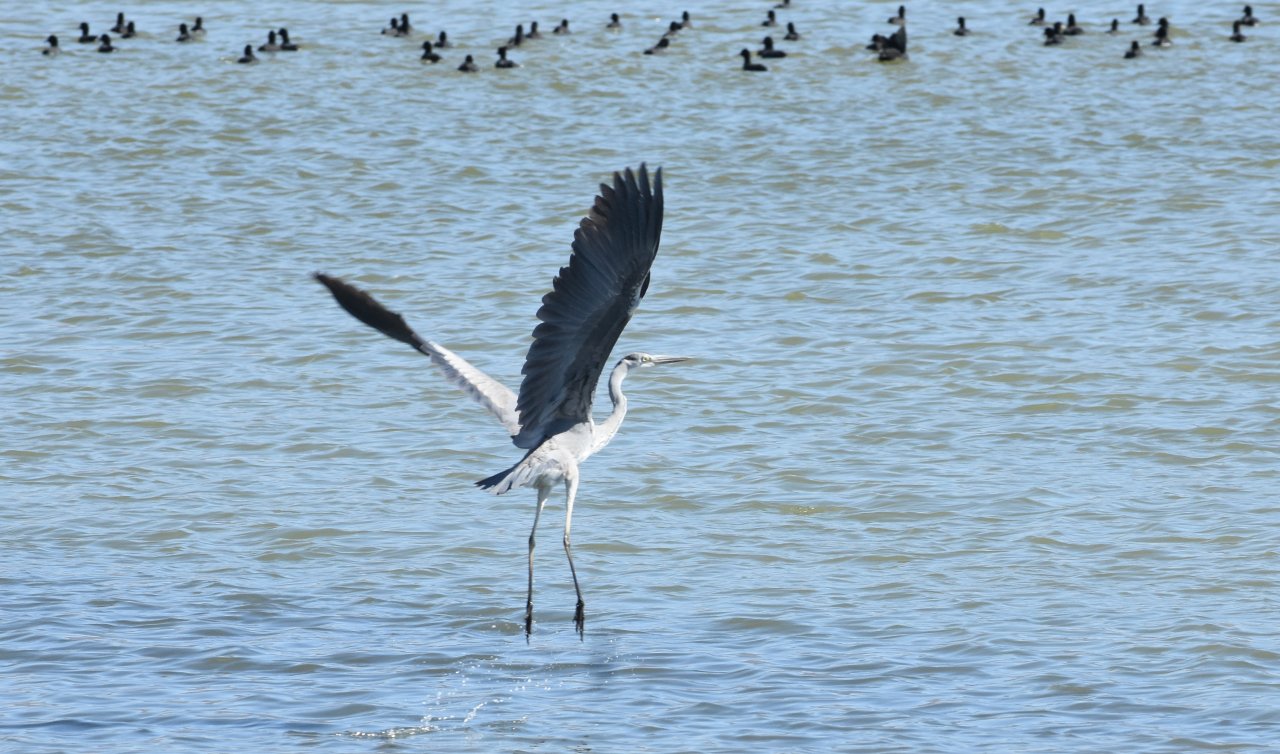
(591, 301)
(487, 391)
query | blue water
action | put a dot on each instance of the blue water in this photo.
(977, 450)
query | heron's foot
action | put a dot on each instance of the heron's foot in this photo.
(579, 618)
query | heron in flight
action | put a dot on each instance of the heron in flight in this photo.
(590, 303)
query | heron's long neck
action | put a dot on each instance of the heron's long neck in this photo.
(606, 429)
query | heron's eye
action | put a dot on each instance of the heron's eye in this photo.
(646, 358)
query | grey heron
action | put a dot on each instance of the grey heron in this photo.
(590, 303)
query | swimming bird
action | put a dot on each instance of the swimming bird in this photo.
(614, 22)
(895, 47)
(686, 22)
(503, 60)
(285, 44)
(518, 38)
(197, 30)
(768, 50)
(119, 27)
(1141, 18)
(394, 29)
(533, 31)
(1162, 33)
(129, 31)
(563, 28)
(469, 65)
(85, 36)
(590, 303)
(878, 42)
(961, 29)
(1236, 34)
(183, 34)
(1038, 18)
(901, 18)
(747, 65)
(406, 28)
(53, 48)
(1115, 26)
(442, 39)
(1134, 51)
(248, 56)
(1072, 27)
(792, 34)
(783, 4)
(1053, 34)
(771, 19)
(428, 54)
(271, 45)
(662, 44)
(673, 29)
(106, 45)
(1248, 19)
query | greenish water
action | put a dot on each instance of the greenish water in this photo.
(978, 452)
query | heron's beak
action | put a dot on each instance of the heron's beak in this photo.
(669, 359)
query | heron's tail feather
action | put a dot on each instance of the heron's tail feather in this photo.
(363, 307)
(500, 482)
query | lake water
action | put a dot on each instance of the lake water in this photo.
(980, 448)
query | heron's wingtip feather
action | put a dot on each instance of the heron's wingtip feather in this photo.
(365, 308)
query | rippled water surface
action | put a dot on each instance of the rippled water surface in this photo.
(979, 449)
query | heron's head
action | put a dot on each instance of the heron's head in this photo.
(642, 360)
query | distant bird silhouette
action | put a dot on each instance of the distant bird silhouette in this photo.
(1236, 34)
(119, 27)
(1134, 51)
(747, 65)
(129, 31)
(248, 56)
(285, 44)
(961, 29)
(469, 65)
(1162, 33)
(614, 22)
(85, 37)
(503, 60)
(442, 40)
(183, 34)
(662, 45)
(1115, 26)
(768, 51)
(792, 34)
(198, 29)
(1073, 28)
(518, 39)
(533, 31)
(895, 47)
(428, 54)
(1248, 18)
(1053, 34)
(771, 19)
(53, 48)
(271, 45)
(1141, 17)
(1038, 18)
(563, 28)
(106, 45)
(901, 18)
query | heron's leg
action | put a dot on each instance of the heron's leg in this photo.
(571, 491)
(543, 494)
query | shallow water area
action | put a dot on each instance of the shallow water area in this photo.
(977, 450)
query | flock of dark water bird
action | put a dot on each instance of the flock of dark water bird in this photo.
(888, 48)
